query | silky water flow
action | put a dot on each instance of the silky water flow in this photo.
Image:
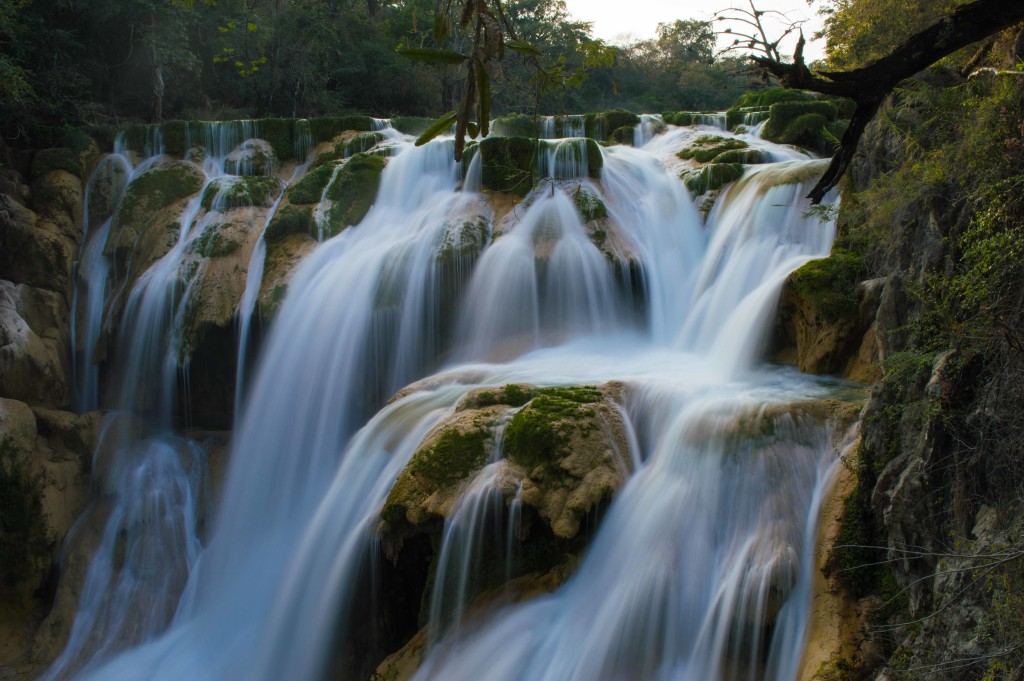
(709, 539)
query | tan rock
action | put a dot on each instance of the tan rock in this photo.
(282, 258)
(33, 357)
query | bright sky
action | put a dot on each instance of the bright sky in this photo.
(613, 19)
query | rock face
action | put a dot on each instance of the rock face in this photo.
(826, 319)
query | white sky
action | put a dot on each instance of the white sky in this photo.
(613, 19)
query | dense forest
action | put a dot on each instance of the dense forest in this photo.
(151, 60)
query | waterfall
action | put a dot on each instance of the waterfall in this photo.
(700, 566)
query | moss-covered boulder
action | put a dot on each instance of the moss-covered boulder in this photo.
(252, 157)
(411, 125)
(744, 156)
(514, 125)
(290, 219)
(283, 256)
(107, 183)
(352, 192)
(711, 177)
(310, 188)
(601, 126)
(347, 144)
(226, 193)
(825, 315)
(151, 203)
(623, 135)
(565, 451)
(509, 164)
(706, 148)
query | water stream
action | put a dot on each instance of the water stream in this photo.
(710, 537)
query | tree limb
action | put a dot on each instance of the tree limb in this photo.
(868, 86)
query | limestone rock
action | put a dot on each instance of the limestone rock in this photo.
(565, 449)
(34, 249)
(282, 258)
(33, 345)
(106, 185)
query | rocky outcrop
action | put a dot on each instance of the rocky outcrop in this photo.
(825, 323)
(565, 456)
(34, 343)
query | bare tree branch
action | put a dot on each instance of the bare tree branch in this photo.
(868, 86)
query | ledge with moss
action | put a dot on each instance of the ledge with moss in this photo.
(353, 191)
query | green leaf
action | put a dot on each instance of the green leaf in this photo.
(523, 48)
(436, 56)
(436, 128)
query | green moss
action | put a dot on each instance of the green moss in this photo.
(540, 429)
(24, 537)
(515, 125)
(711, 177)
(828, 285)
(353, 191)
(329, 127)
(175, 134)
(601, 126)
(707, 147)
(310, 189)
(680, 118)
(746, 156)
(411, 125)
(622, 135)
(784, 114)
(290, 220)
(160, 186)
(509, 164)
(212, 244)
(769, 96)
(231, 192)
(589, 205)
(595, 159)
(452, 458)
(280, 134)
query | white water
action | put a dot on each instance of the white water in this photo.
(709, 535)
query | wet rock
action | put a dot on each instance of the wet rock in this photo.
(283, 256)
(565, 447)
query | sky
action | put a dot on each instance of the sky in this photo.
(639, 18)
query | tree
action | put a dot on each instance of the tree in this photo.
(868, 85)
(687, 41)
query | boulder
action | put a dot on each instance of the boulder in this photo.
(33, 345)
(252, 157)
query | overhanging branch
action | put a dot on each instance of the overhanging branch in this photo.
(868, 86)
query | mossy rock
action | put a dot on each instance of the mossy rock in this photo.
(359, 143)
(353, 191)
(175, 134)
(745, 156)
(588, 204)
(310, 189)
(155, 189)
(536, 433)
(449, 456)
(707, 147)
(329, 127)
(226, 193)
(601, 126)
(280, 133)
(774, 95)
(782, 115)
(290, 219)
(622, 135)
(711, 177)
(680, 118)
(511, 394)
(212, 244)
(514, 125)
(411, 125)
(828, 287)
(509, 164)
(62, 158)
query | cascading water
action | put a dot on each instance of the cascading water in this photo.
(700, 568)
